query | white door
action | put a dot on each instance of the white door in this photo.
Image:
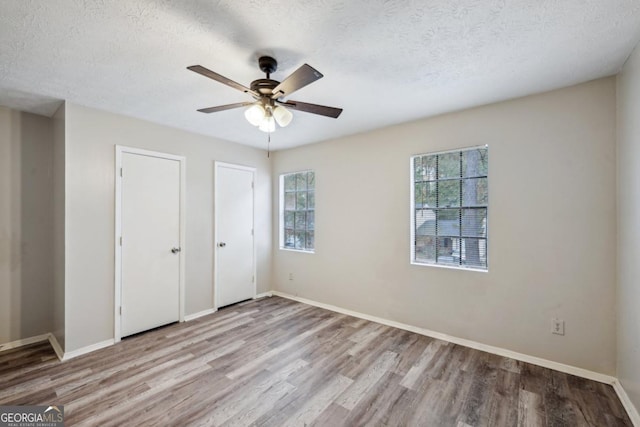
(235, 259)
(150, 227)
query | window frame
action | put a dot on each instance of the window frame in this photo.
(412, 213)
(281, 226)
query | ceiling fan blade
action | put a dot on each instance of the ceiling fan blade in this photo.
(224, 107)
(313, 108)
(298, 79)
(222, 79)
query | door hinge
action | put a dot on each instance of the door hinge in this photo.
(251, 184)
(120, 310)
(253, 279)
(252, 231)
(120, 172)
(120, 240)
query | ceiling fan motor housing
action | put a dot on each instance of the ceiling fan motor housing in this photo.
(264, 86)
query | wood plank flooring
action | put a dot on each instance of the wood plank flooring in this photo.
(276, 362)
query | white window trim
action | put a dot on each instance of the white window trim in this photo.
(412, 213)
(281, 245)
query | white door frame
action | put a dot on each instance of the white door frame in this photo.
(215, 227)
(120, 150)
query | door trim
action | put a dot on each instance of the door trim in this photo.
(119, 151)
(215, 226)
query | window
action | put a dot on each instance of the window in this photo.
(449, 205)
(297, 211)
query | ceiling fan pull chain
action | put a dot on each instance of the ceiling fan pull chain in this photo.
(268, 144)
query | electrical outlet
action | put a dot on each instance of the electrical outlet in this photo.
(290, 276)
(557, 326)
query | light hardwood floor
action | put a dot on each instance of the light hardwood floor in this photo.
(276, 362)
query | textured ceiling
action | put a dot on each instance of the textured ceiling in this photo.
(384, 61)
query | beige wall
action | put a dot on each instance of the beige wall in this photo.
(58, 256)
(552, 228)
(26, 207)
(629, 227)
(91, 136)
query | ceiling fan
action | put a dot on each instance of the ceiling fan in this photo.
(269, 106)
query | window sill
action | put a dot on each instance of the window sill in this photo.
(297, 250)
(450, 267)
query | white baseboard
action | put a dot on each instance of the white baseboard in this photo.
(194, 316)
(584, 373)
(88, 349)
(56, 346)
(627, 403)
(213, 310)
(23, 342)
(32, 340)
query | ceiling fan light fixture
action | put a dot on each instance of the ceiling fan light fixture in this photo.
(255, 114)
(268, 124)
(282, 115)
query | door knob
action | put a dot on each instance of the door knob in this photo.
(175, 250)
(222, 244)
